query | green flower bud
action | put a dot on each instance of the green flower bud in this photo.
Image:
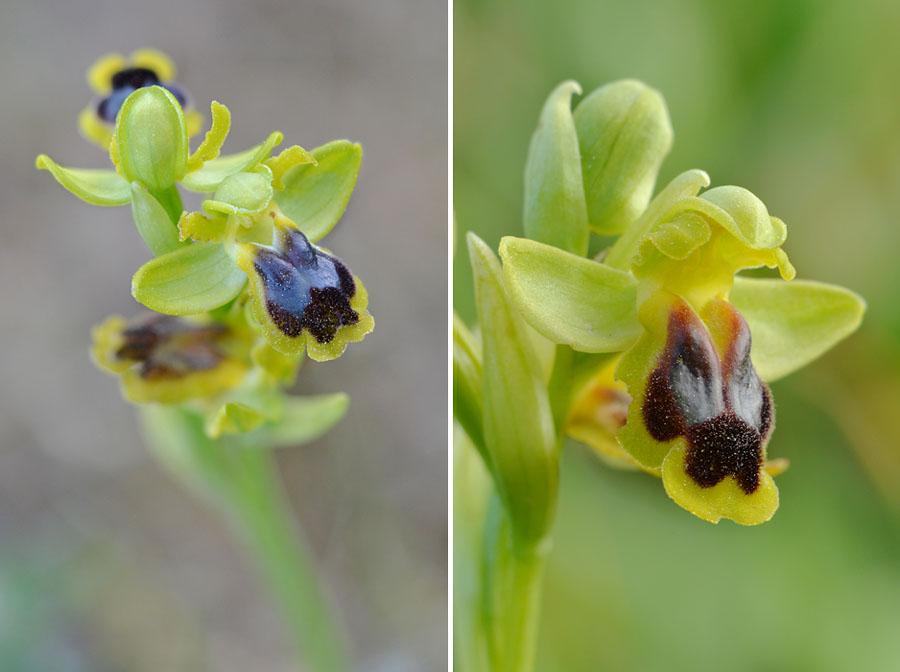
(624, 133)
(151, 138)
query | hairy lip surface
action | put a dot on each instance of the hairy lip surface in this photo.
(720, 406)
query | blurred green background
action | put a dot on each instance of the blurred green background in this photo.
(108, 565)
(797, 101)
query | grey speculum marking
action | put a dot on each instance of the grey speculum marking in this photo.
(305, 287)
(721, 407)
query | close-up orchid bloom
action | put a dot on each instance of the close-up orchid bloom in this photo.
(654, 351)
(700, 413)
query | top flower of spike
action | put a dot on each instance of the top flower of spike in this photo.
(261, 222)
(665, 295)
(113, 78)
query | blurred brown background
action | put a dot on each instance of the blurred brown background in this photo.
(105, 563)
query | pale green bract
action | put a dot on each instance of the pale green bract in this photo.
(193, 279)
(152, 222)
(306, 418)
(518, 426)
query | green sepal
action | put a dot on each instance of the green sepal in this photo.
(305, 419)
(98, 187)
(467, 381)
(151, 138)
(624, 133)
(793, 323)
(152, 221)
(569, 299)
(192, 279)
(316, 195)
(555, 211)
(212, 173)
(242, 194)
(518, 425)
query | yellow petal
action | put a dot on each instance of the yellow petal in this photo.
(156, 61)
(93, 129)
(100, 74)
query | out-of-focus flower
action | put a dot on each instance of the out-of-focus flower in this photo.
(166, 359)
(598, 411)
(113, 78)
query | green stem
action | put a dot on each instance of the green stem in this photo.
(513, 580)
(240, 480)
(281, 553)
(525, 577)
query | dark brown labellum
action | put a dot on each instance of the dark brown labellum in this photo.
(305, 287)
(171, 347)
(721, 407)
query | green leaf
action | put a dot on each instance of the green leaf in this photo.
(211, 175)
(192, 279)
(152, 222)
(98, 187)
(242, 194)
(151, 138)
(626, 246)
(467, 407)
(315, 196)
(518, 426)
(555, 210)
(569, 299)
(307, 418)
(793, 323)
(624, 134)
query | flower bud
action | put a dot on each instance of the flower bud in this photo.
(151, 138)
